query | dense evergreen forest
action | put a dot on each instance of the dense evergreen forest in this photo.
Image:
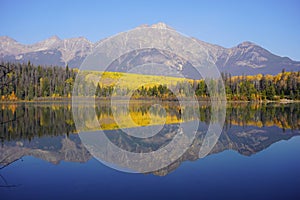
(28, 82)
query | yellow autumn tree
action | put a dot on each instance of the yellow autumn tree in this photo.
(12, 96)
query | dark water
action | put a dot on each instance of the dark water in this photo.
(256, 156)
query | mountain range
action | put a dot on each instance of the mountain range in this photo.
(245, 58)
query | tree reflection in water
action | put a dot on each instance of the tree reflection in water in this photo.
(47, 131)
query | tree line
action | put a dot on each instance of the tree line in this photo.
(285, 85)
(29, 82)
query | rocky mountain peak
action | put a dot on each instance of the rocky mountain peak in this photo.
(6, 39)
(54, 38)
(160, 25)
(246, 44)
(245, 58)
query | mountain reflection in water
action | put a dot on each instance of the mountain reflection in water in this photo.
(47, 131)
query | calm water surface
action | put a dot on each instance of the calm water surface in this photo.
(256, 157)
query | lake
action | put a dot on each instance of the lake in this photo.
(256, 156)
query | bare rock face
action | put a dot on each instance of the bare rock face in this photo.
(245, 58)
(249, 58)
(52, 51)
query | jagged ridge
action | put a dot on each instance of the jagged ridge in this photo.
(245, 58)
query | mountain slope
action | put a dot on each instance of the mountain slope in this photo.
(52, 51)
(245, 58)
(249, 58)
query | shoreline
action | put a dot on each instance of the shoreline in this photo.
(144, 100)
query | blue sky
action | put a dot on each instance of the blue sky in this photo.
(275, 25)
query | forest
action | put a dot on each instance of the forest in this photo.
(29, 82)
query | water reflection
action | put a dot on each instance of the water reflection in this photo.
(47, 131)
